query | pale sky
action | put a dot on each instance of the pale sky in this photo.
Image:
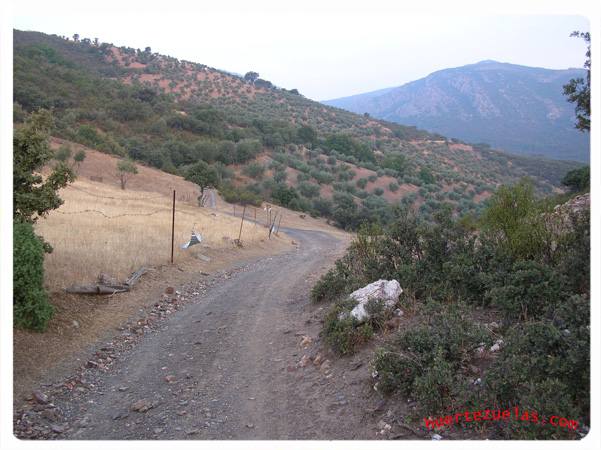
(326, 52)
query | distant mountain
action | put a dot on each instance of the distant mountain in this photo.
(515, 108)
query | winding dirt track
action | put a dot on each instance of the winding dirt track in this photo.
(231, 358)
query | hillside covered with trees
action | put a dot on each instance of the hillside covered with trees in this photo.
(261, 142)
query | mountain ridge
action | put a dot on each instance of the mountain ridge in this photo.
(515, 108)
(267, 143)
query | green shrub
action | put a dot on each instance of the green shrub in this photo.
(528, 291)
(514, 219)
(545, 366)
(30, 302)
(254, 170)
(424, 360)
(329, 287)
(232, 194)
(341, 331)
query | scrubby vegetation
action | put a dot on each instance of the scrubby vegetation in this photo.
(34, 197)
(171, 114)
(499, 306)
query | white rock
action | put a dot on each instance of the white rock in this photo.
(496, 346)
(388, 291)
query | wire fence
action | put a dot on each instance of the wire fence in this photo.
(165, 196)
(84, 211)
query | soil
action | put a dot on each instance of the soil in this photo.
(235, 355)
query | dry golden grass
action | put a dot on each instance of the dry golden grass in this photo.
(91, 234)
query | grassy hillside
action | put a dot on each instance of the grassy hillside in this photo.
(270, 141)
(516, 108)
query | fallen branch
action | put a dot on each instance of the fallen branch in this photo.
(135, 276)
(107, 289)
(96, 289)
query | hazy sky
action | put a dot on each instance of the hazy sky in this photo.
(324, 53)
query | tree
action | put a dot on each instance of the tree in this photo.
(79, 158)
(578, 90)
(125, 169)
(284, 195)
(514, 220)
(204, 176)
(578, 180)
(30, 301)
(306, 135)
(396, 162)
(251, 77)
(76, 37)
(63, 154)
(33, 196)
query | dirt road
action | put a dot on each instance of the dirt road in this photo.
(226, 366)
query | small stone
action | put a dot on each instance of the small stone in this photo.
(57, 428)
(496, 346)
(158, 430)
(436, 437)
(40, 397)
(169, 290)
(92, 364)
(357, 365)
(170, 378)
(250, 425)
(75, 324)
(120, 415)
(192, 431)
(326, 366)
(123, 388)
(142, 405)
(306, 341)
(304, 361)
(318, 359)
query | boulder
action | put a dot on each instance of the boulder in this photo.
(387, 291)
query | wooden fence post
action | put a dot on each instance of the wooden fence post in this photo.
(172, 226)
(279, 223)
(241, 223)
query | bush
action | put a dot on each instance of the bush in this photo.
(514, 219)
(284, 195)
(30, 302)
(309, 190)
(342, 332)
(578, 179)
(424, 360)
(361, 183)
(545, 366)
(254, 170)
(232, 194)
(328, 287)
(528, 291)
